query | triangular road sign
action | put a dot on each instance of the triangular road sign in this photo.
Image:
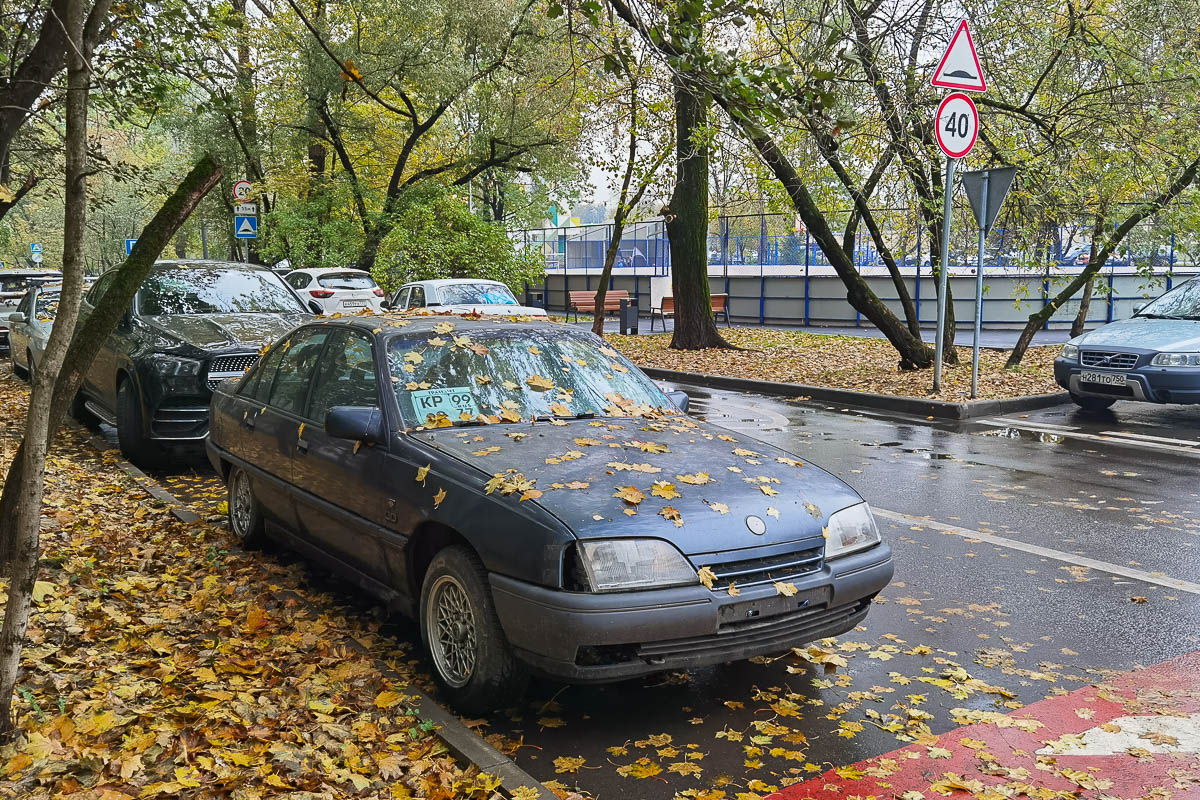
(959, 67)
(999, 181)
(245, 227)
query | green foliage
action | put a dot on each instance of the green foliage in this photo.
(437, 236)
(312, 232)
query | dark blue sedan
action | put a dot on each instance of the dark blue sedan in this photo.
(1154, 356)
(536, 502)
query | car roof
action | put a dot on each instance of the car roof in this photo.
(421, 324)
(29, 272)
(199, 263)
(438, 282)
(327, 270)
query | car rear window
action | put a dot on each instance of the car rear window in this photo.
(346, 280)
(490, 294)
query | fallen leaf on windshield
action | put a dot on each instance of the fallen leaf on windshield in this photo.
(539, 384)
(510, 386)
(630, 494)
(720, 508)
(560, 409)
(664, 490)
(698, 479)
(439, 497)
(462, 342)
(534, 350)
(443, 327)
(707, 577)
(437, 341)
(786, 589)
(672, 514)
(483, 380)
(413, 357)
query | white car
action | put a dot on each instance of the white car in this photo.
(462, 296)
(345, 291)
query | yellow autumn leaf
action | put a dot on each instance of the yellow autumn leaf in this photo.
(664, 490)
(564, 764)
(720, 508)
(698, 479)
(630, 494)
(707, 577)
(422, 473)
(672, 514)
(388, 698)
(539, 384)
(786, 589)
(439, 497)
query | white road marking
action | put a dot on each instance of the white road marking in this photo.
(1147, 438)
(1045, 552)
(1017, 423)
(1180, 447)
(1152, 734)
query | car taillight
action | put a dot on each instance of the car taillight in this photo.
(321, 294)
(378, 292)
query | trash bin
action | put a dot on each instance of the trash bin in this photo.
(628, 317)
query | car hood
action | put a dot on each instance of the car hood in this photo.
(572, 466)
(487, 308)
(216, 331)
(1142, 333)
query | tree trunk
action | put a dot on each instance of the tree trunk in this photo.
(610, 258)
(91, 335)
(1085, 301)
(25, 518)
(687, 225)
(1038, 318)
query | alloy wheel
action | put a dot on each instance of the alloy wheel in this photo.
(241, 504)
(452, 631)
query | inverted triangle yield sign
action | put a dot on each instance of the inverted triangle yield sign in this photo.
(959, 67)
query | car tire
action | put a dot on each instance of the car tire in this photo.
(79, 411)
(131, 435)
(17, 369)
(30, 367)
(473, 662)
(1089, 403)
(245, 512)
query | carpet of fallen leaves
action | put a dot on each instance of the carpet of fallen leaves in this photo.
(163, 662)
(863, 364)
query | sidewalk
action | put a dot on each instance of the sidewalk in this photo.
(1136, 736)
(998, 338)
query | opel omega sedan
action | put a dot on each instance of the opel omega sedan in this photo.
(536, 502)
(1153, 356)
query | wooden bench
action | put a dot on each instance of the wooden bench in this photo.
(586, 301)
(720, 307)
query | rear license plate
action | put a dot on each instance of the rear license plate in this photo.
(773, 606)
(1106, 378)
(354, 303)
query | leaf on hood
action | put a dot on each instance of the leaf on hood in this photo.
(621, 466)
(772, 512)
(650, 447)
(630, 494)
(720, 508)
(743, 452)
(698, 479)
(707, 577)
(530, 494)
(583, 441)
(789, 461)
(664, 490)
(672, 514)
(767, 490)
(443, 327)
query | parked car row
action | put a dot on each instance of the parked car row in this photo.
(470, 471)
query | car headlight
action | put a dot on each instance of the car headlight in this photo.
(1070, 352)
(614, 565)
(1176, 360)
(850, 530)
(174, 365)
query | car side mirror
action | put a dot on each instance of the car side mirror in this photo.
(315, 307)
(16, 317)
(385, 305)
(680, 399)
(356, 423)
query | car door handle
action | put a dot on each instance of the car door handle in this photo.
(301, 447)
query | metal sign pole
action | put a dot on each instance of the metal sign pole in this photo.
(943, 272)
(979, 290)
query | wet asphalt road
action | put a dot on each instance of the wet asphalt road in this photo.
(1084, 517)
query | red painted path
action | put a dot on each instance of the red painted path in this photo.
(1154, 756)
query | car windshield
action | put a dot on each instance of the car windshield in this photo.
(1182, 302)
(346, 280)
(493, 376)
(490, 294)
(47, 306)
(215, 291)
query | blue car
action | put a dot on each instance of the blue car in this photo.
(1154, 356)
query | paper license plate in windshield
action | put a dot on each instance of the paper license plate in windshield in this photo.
(773, 606)
(1107, 378)
(354, 303)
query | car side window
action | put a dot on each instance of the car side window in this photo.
(416, 297)
(23, 306)
(302, 352)
(297, 281)
(259, 383)
(401, 301)
(100, 287)
(346, 376)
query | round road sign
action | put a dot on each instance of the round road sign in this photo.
(241, 190)
(957, 125)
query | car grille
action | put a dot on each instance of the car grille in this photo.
(1107, 359)
(229, 367)
(768, 569)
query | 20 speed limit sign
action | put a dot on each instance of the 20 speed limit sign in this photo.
(957, 125)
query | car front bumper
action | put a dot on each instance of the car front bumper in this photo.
(594, 638)
(1146, 383)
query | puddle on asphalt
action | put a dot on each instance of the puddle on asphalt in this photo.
(1018, 433)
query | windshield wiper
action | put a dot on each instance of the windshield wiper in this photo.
(582, 415)
(1161, 316)
(466, 423)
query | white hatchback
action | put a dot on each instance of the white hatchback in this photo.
(337, 291)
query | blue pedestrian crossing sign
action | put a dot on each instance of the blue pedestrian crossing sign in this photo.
(245, 227)
(129, 243)
(35, 248)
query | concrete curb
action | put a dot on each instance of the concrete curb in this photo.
(916, 406)
(463, 742)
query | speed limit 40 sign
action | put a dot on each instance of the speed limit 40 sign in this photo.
(957, 125)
